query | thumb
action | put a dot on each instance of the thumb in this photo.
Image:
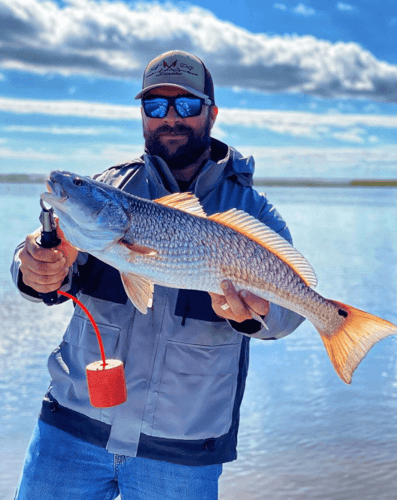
(216, 298)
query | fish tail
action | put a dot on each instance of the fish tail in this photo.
(350, 342)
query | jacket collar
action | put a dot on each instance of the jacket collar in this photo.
(225, 163)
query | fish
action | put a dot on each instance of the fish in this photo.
(172, 242)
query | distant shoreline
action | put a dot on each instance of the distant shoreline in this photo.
(315, 183)
(271, 182)
(23, 178)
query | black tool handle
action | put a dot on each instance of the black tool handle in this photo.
(48, 239)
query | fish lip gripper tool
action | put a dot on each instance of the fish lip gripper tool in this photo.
(48, 239)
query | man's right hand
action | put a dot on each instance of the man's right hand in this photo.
(44, 269)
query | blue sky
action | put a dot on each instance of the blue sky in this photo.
(309, 88)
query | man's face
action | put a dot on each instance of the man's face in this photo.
(178, 141)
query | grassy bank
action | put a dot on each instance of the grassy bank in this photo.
(326, 183)
(23, 178)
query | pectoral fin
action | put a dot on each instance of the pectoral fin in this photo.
(258, 318)
(140, 249)
(139, 291)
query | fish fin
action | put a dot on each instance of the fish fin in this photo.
(139, 291)
(142, 250)
(258, 318)
(187, 202)
(349, 344)
(260, 233)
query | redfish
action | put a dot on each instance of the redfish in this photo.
(173, 243)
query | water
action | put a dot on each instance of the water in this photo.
(304, 434)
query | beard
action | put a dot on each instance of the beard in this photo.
(185, 154)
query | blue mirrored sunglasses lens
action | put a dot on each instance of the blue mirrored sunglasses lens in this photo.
(185, 106)
(155, 108)
(188, 106)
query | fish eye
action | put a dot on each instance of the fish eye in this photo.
(78, 182)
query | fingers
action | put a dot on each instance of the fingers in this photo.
(255, 303)
(37, 252)
(43, 269)
(238, 306)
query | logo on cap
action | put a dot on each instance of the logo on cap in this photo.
(174, 69)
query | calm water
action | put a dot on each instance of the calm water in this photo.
(304, 434)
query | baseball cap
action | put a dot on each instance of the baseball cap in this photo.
(178, 69)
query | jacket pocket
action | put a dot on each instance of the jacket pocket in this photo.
(197, 391)
(80, 333)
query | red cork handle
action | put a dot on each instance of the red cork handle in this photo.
(101, 348)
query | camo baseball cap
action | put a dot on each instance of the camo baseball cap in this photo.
(178, 69)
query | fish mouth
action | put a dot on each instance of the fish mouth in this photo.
(56, 194)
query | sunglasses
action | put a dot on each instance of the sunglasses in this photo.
(186, 107)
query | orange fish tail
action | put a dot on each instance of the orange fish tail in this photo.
(348, 345)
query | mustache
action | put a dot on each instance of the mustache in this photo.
(177, 129)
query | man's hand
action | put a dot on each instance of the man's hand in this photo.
(237, 306)
(44, 269)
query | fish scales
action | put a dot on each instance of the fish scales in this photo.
(197, 247)
(172, 242)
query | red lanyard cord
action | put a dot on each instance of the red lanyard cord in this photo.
(101, 348)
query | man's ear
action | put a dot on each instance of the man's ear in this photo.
(213, 114)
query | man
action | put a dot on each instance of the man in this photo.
(186, 360)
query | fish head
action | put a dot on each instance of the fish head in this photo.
(92, 215)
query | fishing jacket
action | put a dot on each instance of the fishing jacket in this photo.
(185, 367)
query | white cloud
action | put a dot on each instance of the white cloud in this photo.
(27, 154)
(219, 132)
(117, 40)
(345, 7)
(304, 10)
(60, 130)
(305, 124)
(282, 162)
(70, 108)
(300, 9)
(89, 160)
(293, 123)
(292, 162)
(354, 134)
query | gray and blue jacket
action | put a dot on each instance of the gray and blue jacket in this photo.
(185, 367)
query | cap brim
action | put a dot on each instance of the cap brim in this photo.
(189, 89)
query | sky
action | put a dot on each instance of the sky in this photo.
(308, 88)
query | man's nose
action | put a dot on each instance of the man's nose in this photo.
(172, 115)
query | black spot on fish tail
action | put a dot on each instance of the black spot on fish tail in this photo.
(343, 313)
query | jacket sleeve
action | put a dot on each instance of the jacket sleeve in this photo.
(70, 284)
(280, 321)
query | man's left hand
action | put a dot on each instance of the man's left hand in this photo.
(237, 306)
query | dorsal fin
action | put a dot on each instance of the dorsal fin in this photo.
(187, 202)
(257, 231)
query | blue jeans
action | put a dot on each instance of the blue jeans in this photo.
(59, 466)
